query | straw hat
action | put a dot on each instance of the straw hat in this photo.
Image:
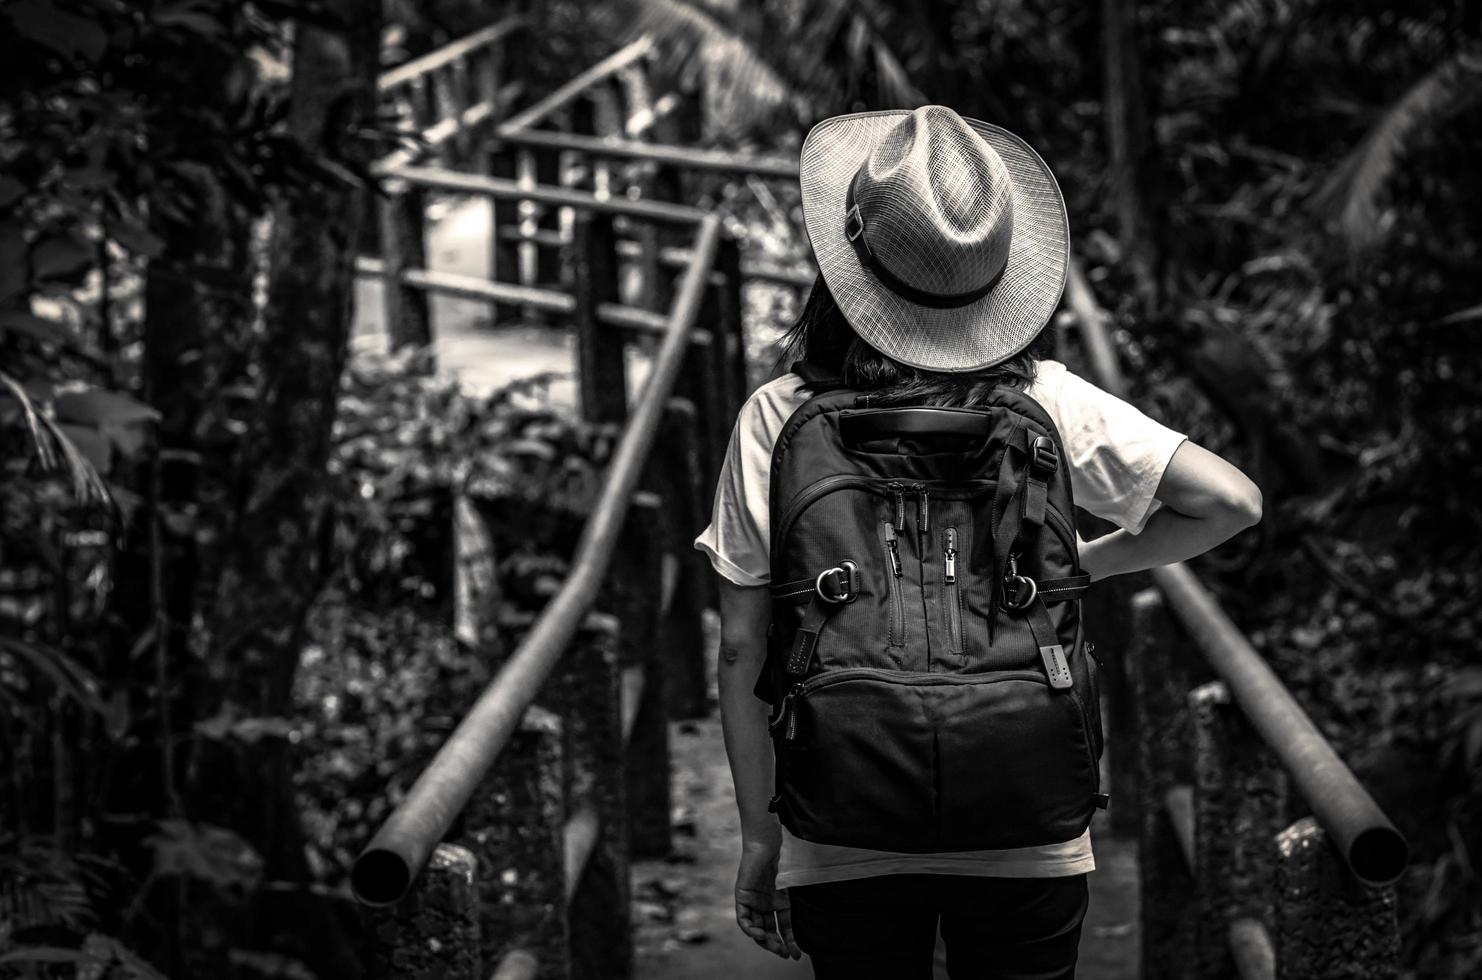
(944, 240)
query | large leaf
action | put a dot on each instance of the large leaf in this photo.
(204, 852)
(98, 406)
(65, 33)
(61, 256)
(1353, 194)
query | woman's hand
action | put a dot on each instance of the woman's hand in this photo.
(762, 909)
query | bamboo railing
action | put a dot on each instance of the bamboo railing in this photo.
(1230, 884)
(509, 855)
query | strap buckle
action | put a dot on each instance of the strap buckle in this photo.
(838, 584)
(1019, 591)
(1043, 457)
(853, 223)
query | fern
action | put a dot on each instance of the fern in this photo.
(1352, 195)
(41, 887)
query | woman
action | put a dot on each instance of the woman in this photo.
(942, 248)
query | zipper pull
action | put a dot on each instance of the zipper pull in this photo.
(923, 519)
(894, 546)
(898, 490)
(786, 717)
(949, 557)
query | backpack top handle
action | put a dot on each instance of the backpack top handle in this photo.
(867, 425)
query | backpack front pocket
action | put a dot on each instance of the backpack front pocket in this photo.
(858, 768)
(907, 761)
(1015, 765)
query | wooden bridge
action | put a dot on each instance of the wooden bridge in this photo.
(1260, 854)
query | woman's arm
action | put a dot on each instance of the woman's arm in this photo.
(762, 911)
(1206, 501)
(744, 615)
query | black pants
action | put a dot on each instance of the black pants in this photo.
(884, 928)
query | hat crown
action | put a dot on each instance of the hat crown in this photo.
(936, 203)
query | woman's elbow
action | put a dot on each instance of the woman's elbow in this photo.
(1241, 505)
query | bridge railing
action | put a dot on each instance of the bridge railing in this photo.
(510, 852)
(1230, 884)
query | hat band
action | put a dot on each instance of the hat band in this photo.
(854, 231)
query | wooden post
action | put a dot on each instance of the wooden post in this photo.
(447, 98)
(513, 825)
(538, 265)
(730, 324)
(586, 690)
(504, 249)
(1328, 925)
(433, 933)
(676, 472)
(591, 277)
(665, 185)
(403, 247)
(1160, 723)
(1239, 807)
(701, 381)
(607, 120)
(637, 586)
(423, 102)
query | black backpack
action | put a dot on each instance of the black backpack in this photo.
(930, 687)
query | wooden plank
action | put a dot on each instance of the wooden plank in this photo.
(549, 300)
(459, 183)
(574, 88)
(448, 53)
(472, 287)
(713, 161)
(433, 137)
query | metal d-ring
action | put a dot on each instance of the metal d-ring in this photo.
(844, 569)
(1019, 581)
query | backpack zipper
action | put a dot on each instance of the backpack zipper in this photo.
(892, 585)
(898, 491)
(787, 716)
(952, 489)
(951, 597)
(923, 520)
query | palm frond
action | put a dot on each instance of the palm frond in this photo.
(54, 450)
(759, 68)
(750, 90)
(1353, 194)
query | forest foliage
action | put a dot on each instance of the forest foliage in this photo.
(1275, 199)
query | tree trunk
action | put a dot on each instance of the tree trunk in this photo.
(1127, 143)
(272, 564)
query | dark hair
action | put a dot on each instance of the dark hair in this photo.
(824, 338)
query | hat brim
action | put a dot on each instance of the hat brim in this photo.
(986, 331)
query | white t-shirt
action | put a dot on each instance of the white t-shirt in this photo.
(1117, 456)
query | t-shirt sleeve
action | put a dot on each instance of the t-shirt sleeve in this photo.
(737, 539)
(1117, 453)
